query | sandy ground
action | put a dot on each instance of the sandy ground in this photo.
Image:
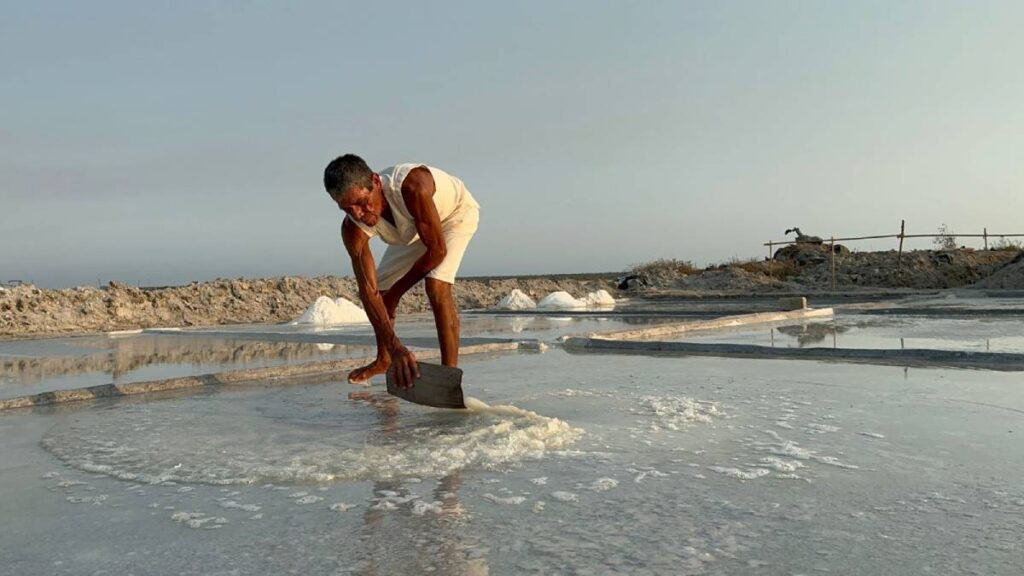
(27, 311)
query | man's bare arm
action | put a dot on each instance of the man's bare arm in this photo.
(357, 244)
(418, 192)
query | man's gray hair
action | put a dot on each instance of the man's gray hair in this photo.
(347, 172)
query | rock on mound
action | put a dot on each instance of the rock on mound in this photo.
(516, 300)
(806, 253)
(327, 312)
(1009, 276)
(561, 300)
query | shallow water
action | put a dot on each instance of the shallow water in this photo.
(879, 332)
(34, 366)
(628, 464)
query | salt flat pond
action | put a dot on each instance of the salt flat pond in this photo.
(609, 464)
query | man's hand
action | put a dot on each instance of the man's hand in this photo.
(403, 362)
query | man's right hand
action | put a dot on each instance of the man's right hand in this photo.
(403, 361)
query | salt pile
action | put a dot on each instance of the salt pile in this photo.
(327, 312)
(600, 299)
(560, 300)
(516, 300)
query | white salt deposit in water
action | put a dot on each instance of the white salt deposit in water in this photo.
(174, 441)
(560, 300)
(327, 312)
(751, 474)
(507, 500)
(516, 300)
(676, 412)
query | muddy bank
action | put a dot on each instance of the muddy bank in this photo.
(810, 269)
(30, 311)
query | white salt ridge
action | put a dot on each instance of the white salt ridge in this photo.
(560, 300)
(872, 435)
(565, 496)
(341, 507)
(327, 312)
(516, 300)
(751, 474)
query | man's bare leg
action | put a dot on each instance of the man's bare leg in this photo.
(379, 366)
(446, 317)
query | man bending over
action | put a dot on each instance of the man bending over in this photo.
(427, 218)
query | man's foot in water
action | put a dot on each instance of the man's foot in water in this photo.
(361, 376)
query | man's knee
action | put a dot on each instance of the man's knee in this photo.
(438, 290)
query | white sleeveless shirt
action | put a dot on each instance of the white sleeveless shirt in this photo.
(451, 198)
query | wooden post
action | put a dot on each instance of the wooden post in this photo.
(833, 243)
(769, 258)
(984, 234)
(899, 255)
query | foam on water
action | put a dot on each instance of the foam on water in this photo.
(676, 412)
(160, 442)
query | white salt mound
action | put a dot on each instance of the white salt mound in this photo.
(327, 312)
(560, 300)
(516, 300)
(600, 299)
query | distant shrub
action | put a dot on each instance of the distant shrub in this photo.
(1008, 244)
(946, 239)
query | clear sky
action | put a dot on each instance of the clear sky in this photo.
(164, 142)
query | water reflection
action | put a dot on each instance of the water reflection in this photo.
(806, 334)
(119, 357)
(428, 537)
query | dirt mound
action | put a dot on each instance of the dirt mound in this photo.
(27, 310)
(1009, 276)
(730, 279)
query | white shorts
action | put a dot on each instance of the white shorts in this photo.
(399, 259)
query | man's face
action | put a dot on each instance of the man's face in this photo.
(362, 204)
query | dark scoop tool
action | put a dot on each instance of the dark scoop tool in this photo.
(437, 386)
